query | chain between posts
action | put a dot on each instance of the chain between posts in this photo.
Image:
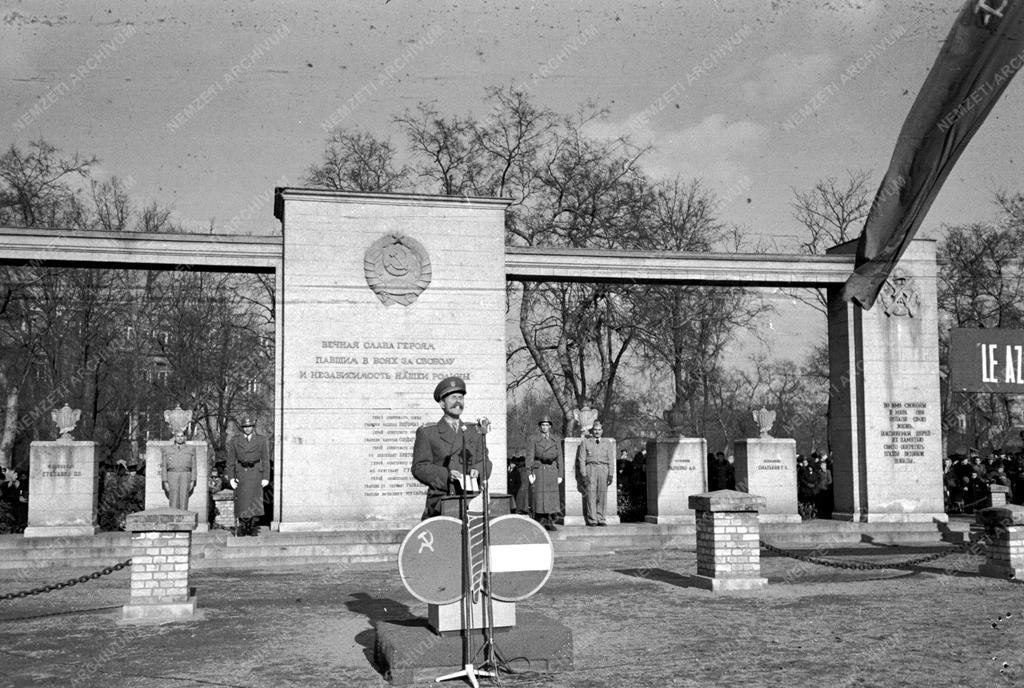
(862, 566)
(68, 583)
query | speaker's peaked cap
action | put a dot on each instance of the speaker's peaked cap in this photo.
(449, 385)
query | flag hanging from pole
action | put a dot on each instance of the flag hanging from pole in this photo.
(982, 52)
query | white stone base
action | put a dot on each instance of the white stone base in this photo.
(328, 526)
(685, 519)
(60, 531)
(578, 520)
(728, 584)
(892, 517)
(448, 617)
(159, 612)
(779, 518)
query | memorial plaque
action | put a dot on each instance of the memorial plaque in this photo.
(384, 296)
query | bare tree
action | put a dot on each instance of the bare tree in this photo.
(833, 213)
(37, 188)
(357, 161)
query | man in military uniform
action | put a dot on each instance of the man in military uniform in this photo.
(179, 472)
(544, 461)
(595, 461)
(449, 451)
(248, 470)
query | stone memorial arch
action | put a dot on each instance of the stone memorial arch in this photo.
(379, 296)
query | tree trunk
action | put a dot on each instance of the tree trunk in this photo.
(10, 419)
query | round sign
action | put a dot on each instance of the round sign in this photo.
(521, 557)
(430, 560)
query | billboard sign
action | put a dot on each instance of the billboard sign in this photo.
(987, 360)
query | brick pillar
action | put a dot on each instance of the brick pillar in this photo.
(998, 493)
(161, 551)
(728, 541)
(1004, 540)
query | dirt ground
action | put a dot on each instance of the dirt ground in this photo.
(635, 620)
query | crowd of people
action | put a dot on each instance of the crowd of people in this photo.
(967, 477)
(814, 491)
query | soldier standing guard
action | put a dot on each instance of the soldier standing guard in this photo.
(248, 469)
(595, 461)
(449, 455)
(544, 461)
(179, 471)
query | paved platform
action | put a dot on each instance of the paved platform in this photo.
(635, 618)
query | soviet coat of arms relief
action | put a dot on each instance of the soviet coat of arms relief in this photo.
(397, 269)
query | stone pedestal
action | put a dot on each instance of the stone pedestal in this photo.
(447, 618)
(161, 556)
(574, 498)
(198, 501)
(767, 467)
(885, 425)
(676, 469)
(63, 488)
(408, 652)
(728, 541)
(1004, 538)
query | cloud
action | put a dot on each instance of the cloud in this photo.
(785, 77)
(717, 149)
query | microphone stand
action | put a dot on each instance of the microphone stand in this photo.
(489, 649)
(468, 672)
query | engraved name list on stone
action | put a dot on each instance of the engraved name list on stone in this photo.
(909, 425)
(389, 440)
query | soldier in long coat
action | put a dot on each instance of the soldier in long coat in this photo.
(544, 461)
(248, 470)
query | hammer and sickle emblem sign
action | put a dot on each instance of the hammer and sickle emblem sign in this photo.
(899, 295)
(395, 259)
(426, 541)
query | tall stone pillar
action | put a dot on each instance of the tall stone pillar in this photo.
(676, 469)
(766, 466)
(63, 482)
(885, 423)
(382, 296)
(63, 489)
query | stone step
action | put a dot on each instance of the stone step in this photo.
(218, 549)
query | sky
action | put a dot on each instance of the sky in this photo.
(207, 106)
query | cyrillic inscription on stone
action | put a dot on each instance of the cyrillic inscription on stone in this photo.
(909, 425)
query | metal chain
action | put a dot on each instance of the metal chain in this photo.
(68, 583)
(861, 566)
